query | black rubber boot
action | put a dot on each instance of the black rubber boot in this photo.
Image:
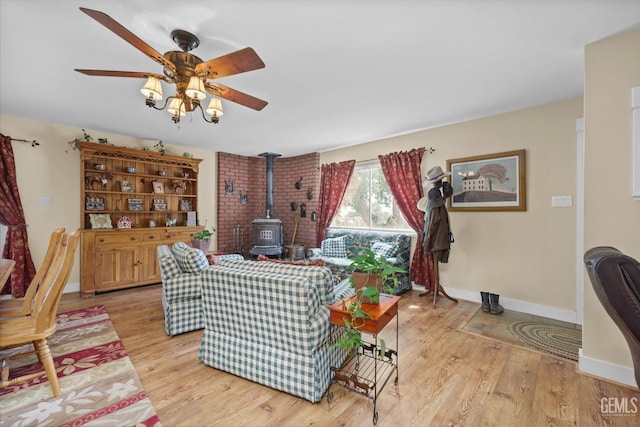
(494, 306)
(485, 301)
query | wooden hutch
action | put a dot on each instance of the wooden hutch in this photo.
(132, 201)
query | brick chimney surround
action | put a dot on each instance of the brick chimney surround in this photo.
(236, 220)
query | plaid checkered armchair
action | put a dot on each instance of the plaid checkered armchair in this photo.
(269, 323)
(181, 269)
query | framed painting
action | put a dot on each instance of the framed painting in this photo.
(126, 186)
(100, 221)
(158, 187)
(492, 182)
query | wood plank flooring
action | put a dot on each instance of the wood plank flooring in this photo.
(446, 377)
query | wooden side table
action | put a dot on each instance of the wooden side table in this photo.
(367, 371)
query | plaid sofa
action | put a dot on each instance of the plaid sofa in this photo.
(181, 268)
(269, 323)
(342, 245)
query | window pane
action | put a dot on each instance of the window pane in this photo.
(368, 202)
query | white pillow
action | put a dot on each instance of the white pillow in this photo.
(335, 247)
(388, 250)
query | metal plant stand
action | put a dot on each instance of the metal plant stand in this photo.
(368, 370)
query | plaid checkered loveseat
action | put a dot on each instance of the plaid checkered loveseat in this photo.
(342, 245)
(269, 323)
(181, 268)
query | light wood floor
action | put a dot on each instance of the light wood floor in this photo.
(446, 377)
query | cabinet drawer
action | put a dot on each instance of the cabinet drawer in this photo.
(116, 238)
(153, 236)
(178, 236)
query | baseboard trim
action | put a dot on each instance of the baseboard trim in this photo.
(71, 287)
(606, 370)
(521, 306)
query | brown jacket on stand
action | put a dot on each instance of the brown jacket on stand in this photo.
(436, 228)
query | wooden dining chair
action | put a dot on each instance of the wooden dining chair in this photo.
(22, 306)
(37, 326)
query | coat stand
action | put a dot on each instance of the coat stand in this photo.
(437, 234)
(437, 286)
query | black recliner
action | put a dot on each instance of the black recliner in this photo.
(616, 280)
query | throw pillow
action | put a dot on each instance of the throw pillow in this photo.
(334, 248)
(213, 259)
(385, 249)
(189, 259)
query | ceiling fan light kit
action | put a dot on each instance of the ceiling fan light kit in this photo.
(152, 89)
(188, 72)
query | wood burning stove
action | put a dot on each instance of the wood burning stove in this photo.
(267, 232)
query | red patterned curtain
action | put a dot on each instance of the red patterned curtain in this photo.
(404, 176)
(11, 215)
(334, 179)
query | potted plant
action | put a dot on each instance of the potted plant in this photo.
(202, 239)
(370, 272)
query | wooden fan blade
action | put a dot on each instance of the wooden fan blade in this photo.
(135, 74)
(233, 63)
(129, 37)
(235, 96)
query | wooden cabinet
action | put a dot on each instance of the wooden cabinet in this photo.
(131, 202)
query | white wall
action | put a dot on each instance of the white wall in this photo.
(526, 257)
(612, 216)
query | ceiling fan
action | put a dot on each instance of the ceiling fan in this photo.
(188, 72)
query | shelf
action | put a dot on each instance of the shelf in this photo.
(116, 259)
(92, 172)
(365, 372)
(126, 193)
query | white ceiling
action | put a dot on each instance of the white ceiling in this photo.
(338, 73)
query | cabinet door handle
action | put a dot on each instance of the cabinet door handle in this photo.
(138, 263)
(133, 238)
(101, 240)
(151, 237)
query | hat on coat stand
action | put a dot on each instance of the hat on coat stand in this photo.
(422, 204)
(435, 174)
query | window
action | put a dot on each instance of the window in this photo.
(368, 202)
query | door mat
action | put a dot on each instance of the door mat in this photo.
(554, 339)
(98, 382)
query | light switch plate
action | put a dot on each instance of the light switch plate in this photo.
(561, 201)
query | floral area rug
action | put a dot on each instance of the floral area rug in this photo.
(99, 384)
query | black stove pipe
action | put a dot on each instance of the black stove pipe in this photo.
(269, 207)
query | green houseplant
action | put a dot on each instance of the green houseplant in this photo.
(202, 239)
(370, 272)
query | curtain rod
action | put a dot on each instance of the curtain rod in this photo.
(33, 143)
(430, 150)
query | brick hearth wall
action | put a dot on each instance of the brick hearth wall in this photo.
(249, 173)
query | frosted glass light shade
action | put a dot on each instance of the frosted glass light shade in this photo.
(215, 108)
(176, 105)
(195, 89)
(152, 89)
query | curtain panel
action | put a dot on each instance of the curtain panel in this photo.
(334, 179)
(16, 245)
(404, 176)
